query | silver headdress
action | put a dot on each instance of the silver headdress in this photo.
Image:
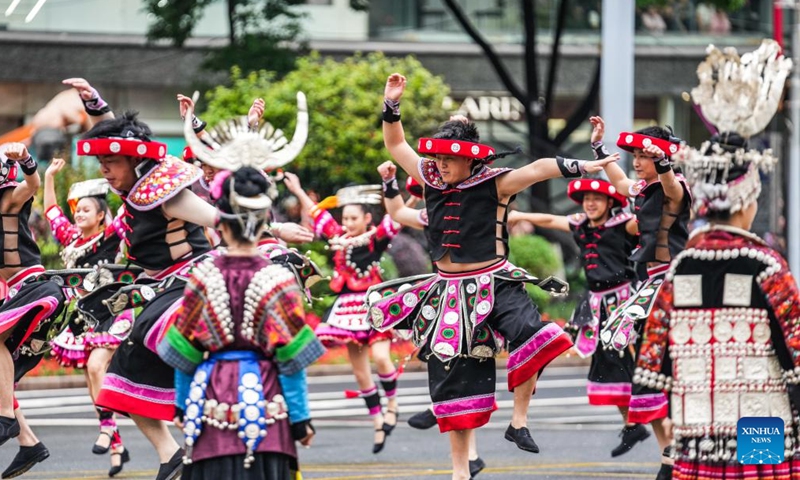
(355, 195)
(739, 95)
(236, 145)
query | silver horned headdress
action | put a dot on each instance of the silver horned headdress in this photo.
(236, 145)
(739, 95)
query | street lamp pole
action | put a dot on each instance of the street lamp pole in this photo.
(616, 69)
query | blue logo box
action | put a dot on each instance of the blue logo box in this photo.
(759, 440)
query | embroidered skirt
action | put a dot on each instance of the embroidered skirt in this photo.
(73, 351)
(464, 320)
(347, 322)
(138, 381)
(620, 330)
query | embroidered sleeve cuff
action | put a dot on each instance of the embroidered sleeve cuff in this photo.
(304, 349)
(178, 352)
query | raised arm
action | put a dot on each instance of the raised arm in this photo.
(190, 208)
(394, 138)
(96, 107)
(542, 220)
(255, 113)
(393, 201)
(615, 174)
(619, 179)
(184, 104)
(17, 152)
(50, 198)
(547, 168)
(294, 186)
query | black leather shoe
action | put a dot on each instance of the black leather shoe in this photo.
(522, 437)
(378, 446)
(9, 428)
(665, 473)
(630, 437)
(98, 449)
(172, 469)
(388, 428)
(125, 457)
(25, 459)
(475, 466)
(422, 420)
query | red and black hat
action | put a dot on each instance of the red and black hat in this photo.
(122, 135)
(629, 141)
(577, 188)
(130, 147)
(458, 148)
(413, 187)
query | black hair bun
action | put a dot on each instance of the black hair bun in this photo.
(458, 130)
(249, 182)
(124, 126)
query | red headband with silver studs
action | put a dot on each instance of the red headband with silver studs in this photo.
(577, 188)
(129, 147)
(629, 141)
(458, 148)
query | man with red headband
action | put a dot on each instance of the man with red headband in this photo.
(662, 205)
(476, 296)
(606, 235)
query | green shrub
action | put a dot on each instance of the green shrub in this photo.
(537, 256)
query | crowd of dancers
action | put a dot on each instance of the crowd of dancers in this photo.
(186, 306)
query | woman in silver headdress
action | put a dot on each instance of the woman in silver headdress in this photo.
(723, 336)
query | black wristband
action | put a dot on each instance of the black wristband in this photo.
(663, 165)
(600, 151)
(28, 165)
(95, 106)
(390, 188)
(391, 110)
(299, 430)
(179, 413)
(197, 124)
(571, 167)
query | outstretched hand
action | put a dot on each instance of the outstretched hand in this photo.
(256, 112)
(84, 88)
(598, 128)
(16, 152)
(294, 233)
(395, 86)
(654, 151)
(56, 165)
(387, 170)
(185, 103)
(598, 165)
(292, 182)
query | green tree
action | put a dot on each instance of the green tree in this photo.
(345, 143)
(260, 32)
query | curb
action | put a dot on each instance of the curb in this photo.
(79, 381)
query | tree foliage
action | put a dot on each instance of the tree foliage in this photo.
(537, 256)
(345, 143)
(262, 34)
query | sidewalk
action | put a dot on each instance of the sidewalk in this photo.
(78, 381)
